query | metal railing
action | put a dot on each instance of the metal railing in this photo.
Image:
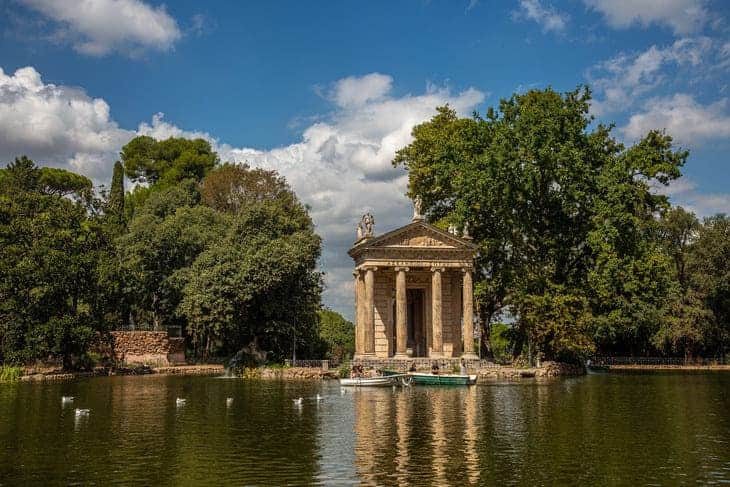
(674, 361)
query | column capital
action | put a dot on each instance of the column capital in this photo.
(400, 268)
(467, 268)
(438, 269)
(366, 268)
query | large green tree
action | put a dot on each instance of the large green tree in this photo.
(49, 254)
(558, 208)
(167, 161)
(258, 284)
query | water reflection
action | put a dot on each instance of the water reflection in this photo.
(421, 436)
(628, 430)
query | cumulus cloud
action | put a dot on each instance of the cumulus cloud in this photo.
(683, 192)
(545, 15)
(683, 16)
(686, 120)
(56, 125)
(99, 27)
(341, 167)
(355, 91)
(623, 79)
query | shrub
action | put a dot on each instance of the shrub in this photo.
(9, 373)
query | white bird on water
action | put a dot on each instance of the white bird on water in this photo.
(298, 402)
(229, 402)
(180, 401)
(82, 412)
(67, 399)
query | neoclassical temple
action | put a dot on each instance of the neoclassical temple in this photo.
(413, 291)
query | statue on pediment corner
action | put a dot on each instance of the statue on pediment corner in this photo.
(366, 227)
(417, 208)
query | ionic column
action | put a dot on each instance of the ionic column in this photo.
(369, 312)
(359, 323)
(437, 336)
(401, 306)
(467, 301)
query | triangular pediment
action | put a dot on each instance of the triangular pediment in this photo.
(418, 234)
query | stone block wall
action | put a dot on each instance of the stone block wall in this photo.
(451, 311)
(147, 347)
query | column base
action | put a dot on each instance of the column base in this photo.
(436, 354)
(470, 356)
(401, 356)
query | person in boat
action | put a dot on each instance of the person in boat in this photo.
(462, 367)
(435, 368)
(356, 371)
(412, 368)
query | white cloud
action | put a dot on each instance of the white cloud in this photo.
(547, 16)
(56, 125)
(99, 27)
(355, 91)
(686, 120)
(625, 78)
(683, 192)
(340, 167)
(683, 16)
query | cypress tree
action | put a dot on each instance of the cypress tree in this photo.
(115, 205)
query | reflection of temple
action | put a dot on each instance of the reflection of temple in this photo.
(417, 436)
(413, 291)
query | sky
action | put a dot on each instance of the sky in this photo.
(326, 92)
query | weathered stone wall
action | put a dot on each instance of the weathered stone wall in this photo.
(147, 347)
(547, 369)
(450, 305)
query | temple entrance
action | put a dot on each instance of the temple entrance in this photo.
(416, 329)
(413, 290)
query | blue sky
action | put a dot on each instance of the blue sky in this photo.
(325, 92)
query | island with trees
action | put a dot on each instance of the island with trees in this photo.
(580, 253)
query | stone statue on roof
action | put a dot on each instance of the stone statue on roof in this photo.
(366, 227)
(417, 208)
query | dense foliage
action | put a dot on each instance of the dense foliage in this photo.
(225, 253)
(574, 245)
(337, 335)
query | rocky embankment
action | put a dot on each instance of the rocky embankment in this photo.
(289, 373)
(56, 375)
(546, 370)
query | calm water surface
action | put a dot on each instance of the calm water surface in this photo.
(596, 430)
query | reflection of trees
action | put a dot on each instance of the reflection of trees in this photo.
(261, 439)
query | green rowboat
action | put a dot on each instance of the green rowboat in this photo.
(437, 379)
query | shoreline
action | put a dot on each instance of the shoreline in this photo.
(486, 374)
(188, 370)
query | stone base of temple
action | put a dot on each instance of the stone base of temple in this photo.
(470, 356)
(446, 365)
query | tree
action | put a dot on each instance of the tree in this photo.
(49, 249)
(166, 236)
(709, 269)
(337, 333)
(115, 204)
(556, 206)
(168, 161)
(258, 285)
(230, 187)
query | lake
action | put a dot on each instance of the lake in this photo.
(650, 429)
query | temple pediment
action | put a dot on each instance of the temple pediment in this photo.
(418, 235)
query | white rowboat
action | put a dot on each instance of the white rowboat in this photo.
(384, 381)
